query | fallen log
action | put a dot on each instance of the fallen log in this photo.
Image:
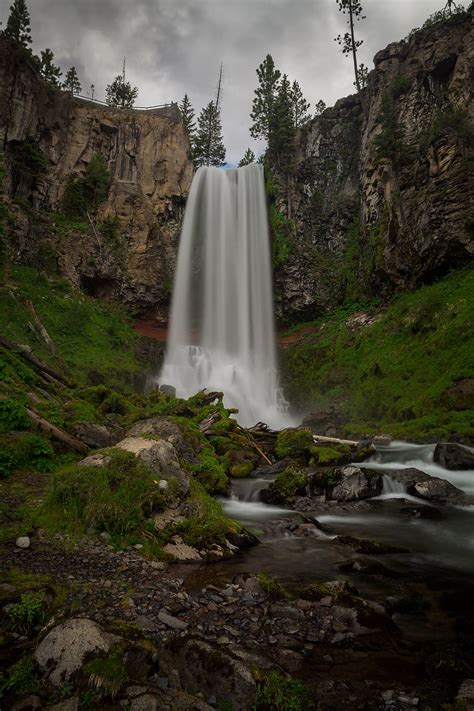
(26, 355)
(336, 440)
(57, 433)
(40, 328)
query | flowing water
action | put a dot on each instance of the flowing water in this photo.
(222, 333)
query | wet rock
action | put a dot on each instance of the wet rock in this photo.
(362, 566)
(465, 694)
(30, 703)
(454, 456)
(23, 542)
(65, 648)
(242, 539)
(168, 390)
(71, 704)
(363, 545)
(210, 671)
(435, 489)
(160, 456)
(146, 702)
(431, 513)
(356, 483)
(271, 470)
(96, 435)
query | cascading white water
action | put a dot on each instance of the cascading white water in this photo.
(222, 333)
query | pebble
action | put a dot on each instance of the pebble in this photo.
(23, 542)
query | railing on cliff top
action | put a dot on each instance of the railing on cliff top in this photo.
(133, 108)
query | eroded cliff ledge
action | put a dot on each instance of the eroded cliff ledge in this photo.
(383, 195)
(146, 153)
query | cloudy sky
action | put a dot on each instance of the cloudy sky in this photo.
(176, 46)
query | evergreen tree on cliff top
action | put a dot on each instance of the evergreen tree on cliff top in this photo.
(264, 100)
(208, 143)
(120, 92)
(249, 157)
(348, 42)
(48, 69)
(282, 129)
(71, 81)
(300, 105)
(18, 24)
(187, 114)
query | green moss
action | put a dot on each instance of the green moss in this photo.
(207, 524)
(288, 483)
(271, 587)
(210, 472)
(280, 693)
(240, 471)
(19, 450)
(116, 498)
(336, 454)
(294, 443)
(391, 376)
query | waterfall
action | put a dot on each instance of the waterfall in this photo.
(222, 334)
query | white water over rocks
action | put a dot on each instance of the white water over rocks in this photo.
(222, 333)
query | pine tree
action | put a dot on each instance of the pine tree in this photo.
(353, 9)
(264, 100)
(363, 75)
(300, 105)
(120, 92)
(48, 69)
(71, 82)
(187, 114)
(282, 128)
(320, 107)
(208, 144)
(249, 157)
(18, 24)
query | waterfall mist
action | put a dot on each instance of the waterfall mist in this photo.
(222, 334)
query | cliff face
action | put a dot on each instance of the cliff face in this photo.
(147, 156)
(383, 194)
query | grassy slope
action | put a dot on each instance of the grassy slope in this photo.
(94, 339)
(394, 374)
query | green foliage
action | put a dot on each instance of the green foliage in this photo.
(120, 93)
(18, 25)
(187, 115)
(389, 142)
(348, 41)
(21, 678)
(71, 81)
(271, 587)
(28, 159)
(400, 86)
(421, 344)
(48, 69)
(27, 613)
(281, 142)
(13, 415)
(294, 443)
(335, 454)
(107, 676)
(116, 498)
(208, 146)
(248, 158)
(280, 693)
(281, 230)
(452, 121)
(265, 98)
(210, 472)
(207, 524)
(85, 194)
(25, 450)
(94, 339)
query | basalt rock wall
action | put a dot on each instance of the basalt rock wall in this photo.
(147, 154)
(382, 198)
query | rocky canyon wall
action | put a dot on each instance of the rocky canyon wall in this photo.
(146, 153)
(383, 194)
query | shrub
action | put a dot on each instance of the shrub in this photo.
(21, 678)
(85, 194)
(29, 612)
(280, 693)
(107, 676)
(28, 158)
(210, 472)
(13, 415)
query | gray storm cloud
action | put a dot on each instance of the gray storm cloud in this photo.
(176, 46)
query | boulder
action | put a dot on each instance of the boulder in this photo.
(23, 542)
(454, 456)
(95, 460)
(435, 489)
(356, 484)
(65, 649)
(165, 429)
(96, 435)
(71, 704)
(160, 456)
(181, 552)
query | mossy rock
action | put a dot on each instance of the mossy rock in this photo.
(289, 483)
(296, 443)
(335, 454)
(240, 462)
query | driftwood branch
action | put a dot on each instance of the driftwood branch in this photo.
(335, 440)
(57, 433)
(39, 365)
(40, 328)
